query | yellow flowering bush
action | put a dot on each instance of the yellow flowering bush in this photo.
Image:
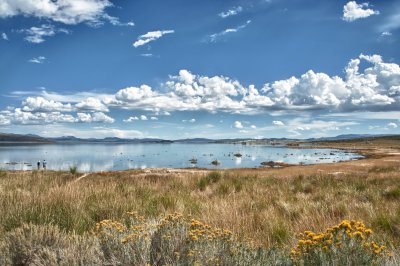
(176, 240)
(348, 243)
(125, 243)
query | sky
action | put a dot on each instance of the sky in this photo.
(211, 69)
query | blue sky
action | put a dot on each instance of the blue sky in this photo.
(216, 69)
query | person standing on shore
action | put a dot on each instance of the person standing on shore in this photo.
(44, 164)
(38, 165)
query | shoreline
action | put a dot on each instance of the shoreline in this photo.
(371, 154)
(365, 152)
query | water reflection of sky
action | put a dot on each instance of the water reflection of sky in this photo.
(97, 157)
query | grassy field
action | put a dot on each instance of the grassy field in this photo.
(265, 208)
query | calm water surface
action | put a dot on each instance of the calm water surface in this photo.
(98, 157)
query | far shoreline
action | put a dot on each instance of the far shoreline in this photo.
(367, 148)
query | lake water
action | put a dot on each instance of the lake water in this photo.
(98, 157)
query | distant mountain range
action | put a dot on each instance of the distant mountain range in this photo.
(6, 138)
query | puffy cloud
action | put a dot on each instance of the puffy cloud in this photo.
(216, 36)
(192, 120)
(192, 92)
(254, 99)
(278, 123)
(94, 117)
(253, 126)
(353, 11)
(150, 36)
(92, 104)
(143, 117)
(131, 119)
(186, 77)
(237, 124)
(64, 11)
(37, 60)
(374, 88)
(153, 118)
(312, 89)
(18, 116)
(40, 104)
(193, 86)
(4, 120)
(392, 125)
(231, 12)
(37, 34)
(85, 118)
(134, 94)
(102, 118)
(371, 89)
(4, 36)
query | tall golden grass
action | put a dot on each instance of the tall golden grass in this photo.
(266, 207)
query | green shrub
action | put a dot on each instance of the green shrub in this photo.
(73, 169)
(212, 177)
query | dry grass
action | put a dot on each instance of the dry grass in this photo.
(267, 207)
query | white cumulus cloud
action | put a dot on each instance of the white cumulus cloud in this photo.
(40, 104)
(94, 117)
(237, 124)
(92, 104)
(369, 85)
(353, 11)
(63, 11)
(131, 119)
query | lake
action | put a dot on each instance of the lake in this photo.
(99, 157)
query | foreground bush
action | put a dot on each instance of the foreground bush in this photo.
(348, 243)
(178, 240)
(47, 245)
